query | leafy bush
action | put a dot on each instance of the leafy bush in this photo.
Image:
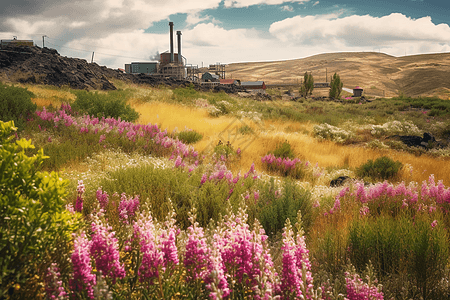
(283, 150)
(113, 104)
(32, 215)
(189, 136)
(224, 149)
(15, 104)
(383, 168)
(275, 206)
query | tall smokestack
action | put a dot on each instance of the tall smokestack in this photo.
(180, 59)
(171, 41)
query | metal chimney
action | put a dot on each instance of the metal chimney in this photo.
(171, 41)
(180, 59)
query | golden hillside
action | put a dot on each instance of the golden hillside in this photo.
(376, 73)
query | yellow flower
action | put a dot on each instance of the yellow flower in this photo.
(17, 286)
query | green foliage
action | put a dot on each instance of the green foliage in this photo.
(275, 206)
(307, 86)
(245, 129)
(113, 104)
(336, 87)
(381, 169)
(15, 104)
(283, 150)
(189, 136)
(156, 186)
(399, 246)
(188, 93)
(32, 215)
(224, 149)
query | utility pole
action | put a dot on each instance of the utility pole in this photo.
(92, 59)
(326, 74)
(43, 41)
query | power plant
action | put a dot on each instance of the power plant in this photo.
(174, 65)
(170, 64)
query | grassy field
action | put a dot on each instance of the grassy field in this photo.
(196, 177)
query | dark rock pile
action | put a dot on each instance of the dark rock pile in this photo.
(46, 66)
(229, 88)
(428, 141)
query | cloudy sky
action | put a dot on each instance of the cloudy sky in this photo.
(227, 31)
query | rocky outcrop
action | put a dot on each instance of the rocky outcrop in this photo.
(47, 66)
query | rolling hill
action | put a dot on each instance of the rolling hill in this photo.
(377, 73)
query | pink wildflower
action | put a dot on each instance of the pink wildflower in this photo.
(434, 224)
(79, 200)
(128, 207)
(102, 198)
(53, 284)
(83, 279)
(357, 289)
(105, 251)
(196, 257)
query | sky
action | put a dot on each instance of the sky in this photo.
(116, 32)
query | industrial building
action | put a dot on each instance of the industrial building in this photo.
(255, 86)
(16, 42)
(170, 64)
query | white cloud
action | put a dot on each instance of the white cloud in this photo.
(247, 3)
(287, 8)
(195, 18)
(315, 3)
(359, 31)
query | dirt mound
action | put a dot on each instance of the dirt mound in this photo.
(46, 66)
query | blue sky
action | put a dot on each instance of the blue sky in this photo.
(227, 31)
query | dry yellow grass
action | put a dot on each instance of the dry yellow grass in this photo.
(267, 136)
(49, 97)
(271, 133)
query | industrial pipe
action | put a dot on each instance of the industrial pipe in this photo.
(180, 59)
(171, 41)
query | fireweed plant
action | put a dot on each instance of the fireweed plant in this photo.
(128, 251)
(92, 134)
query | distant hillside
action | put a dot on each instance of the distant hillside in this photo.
(376, 73)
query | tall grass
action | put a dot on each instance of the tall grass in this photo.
(269, 134)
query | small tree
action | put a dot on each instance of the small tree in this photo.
(307, 86)
(336, 86)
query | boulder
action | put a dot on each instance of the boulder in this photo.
(340, 181)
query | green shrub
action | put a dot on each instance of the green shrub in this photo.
(283, 150)
(114, 105)
(245, 129)
(32, 215)
(402, 246)
(189, 136)
(276, 206)
(224, 149)
(15, 104)
(187, 93)
(382, 168)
